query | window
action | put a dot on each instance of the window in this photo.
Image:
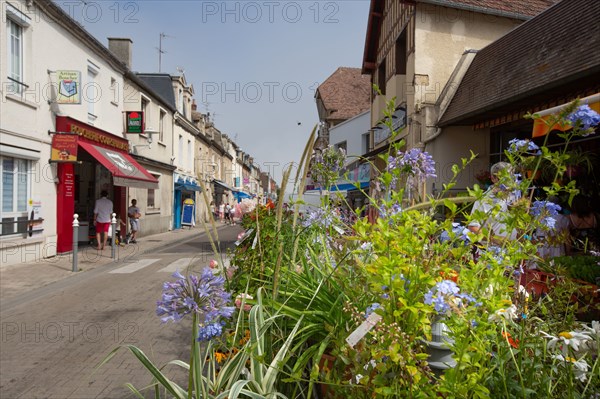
(366, 143)
(14, 192)
(16, 24)
(190, 155)
(180, 102)
(401, 54)
(92, 92)
(144, 109)
(342, 145)
(161, 126)
(381, 76)
(180, 151)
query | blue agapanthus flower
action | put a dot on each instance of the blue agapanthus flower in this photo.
(414, 162)
(210, 331)
(318, 217)
(584, 116)
(203, 295)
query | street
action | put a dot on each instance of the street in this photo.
(53, 337)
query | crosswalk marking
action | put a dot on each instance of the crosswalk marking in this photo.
(179, 264)
(134, 267)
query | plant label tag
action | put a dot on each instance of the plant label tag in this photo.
(243, 237)
(254, 242)
(339, 229)
(363, 329)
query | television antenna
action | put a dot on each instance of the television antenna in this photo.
(160, 48)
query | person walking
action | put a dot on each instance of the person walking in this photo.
(134, 214)
(228, 213)
(103, 209)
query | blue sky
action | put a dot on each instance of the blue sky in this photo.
(253, 64)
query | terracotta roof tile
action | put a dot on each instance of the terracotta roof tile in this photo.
(346, 93)
(555, 48)
(520, 7)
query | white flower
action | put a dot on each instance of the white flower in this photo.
(371, 363)
(358, 377)
(506, 314)
(523, 291)
(580, 367)
(574, 339)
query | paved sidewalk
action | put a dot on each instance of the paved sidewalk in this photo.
(20, 278)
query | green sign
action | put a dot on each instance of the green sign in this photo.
(134, 122)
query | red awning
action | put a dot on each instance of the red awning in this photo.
(125, 170)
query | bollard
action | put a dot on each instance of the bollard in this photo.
(112, 239)
(75, 240)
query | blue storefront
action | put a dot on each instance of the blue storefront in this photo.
(185, 188)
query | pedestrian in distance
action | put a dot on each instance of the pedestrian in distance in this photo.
(134, 214)
(102, 212)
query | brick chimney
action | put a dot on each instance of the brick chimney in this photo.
(121, 48)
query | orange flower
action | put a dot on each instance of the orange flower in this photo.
(512, 342)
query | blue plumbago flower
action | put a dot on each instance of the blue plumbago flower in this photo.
(446, 294)
(584, 116)
(386, 212)
(366, 246)
(327, 166)
(204, 295)
(413, 162)
(210, 331)
(545, 211)
(528, 146)
(459, 231)
(371, 308)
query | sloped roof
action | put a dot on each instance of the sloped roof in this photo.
(510, 8)
(516, 9)
(552, 52)
(161, 84)
(346, 93)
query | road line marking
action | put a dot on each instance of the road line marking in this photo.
(179, 264)
(134, 267)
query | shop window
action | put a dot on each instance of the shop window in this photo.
(16, 25)
(153, 199)
(14, 192)
(366, 143)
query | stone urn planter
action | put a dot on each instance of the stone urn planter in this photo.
(440, 354)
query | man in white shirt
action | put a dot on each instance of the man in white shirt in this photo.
(134, 214)
(494, 205)
(103, 210)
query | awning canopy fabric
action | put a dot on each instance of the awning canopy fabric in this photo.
(224, 185)
(349, 186)
(187, 187)
(240, 195)
(125, 170)
(541, 126)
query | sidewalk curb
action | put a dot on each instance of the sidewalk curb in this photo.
(40, 291)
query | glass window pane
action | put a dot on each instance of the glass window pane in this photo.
(21, 185)
(7, 184)
(8, 227)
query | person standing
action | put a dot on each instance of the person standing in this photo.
(102, 212)
(221, 211)
(134, 214)
(493, 207)
(228, 213)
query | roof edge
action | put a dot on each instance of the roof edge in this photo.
(481, 10)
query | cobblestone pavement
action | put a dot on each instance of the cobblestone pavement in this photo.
(58, 326)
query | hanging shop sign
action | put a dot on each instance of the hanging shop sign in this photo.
(64, 148)
(134, 122)
(69, 87)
